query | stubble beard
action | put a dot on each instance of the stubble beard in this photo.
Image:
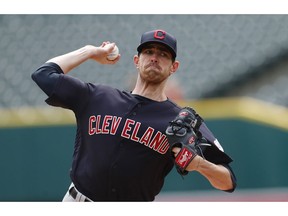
(153, 76)
(153, 73)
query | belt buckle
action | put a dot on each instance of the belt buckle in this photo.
(73, 192)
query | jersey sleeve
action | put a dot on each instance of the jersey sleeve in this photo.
(213, 152)
(63, 90)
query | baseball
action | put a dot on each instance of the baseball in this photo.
(114, 54)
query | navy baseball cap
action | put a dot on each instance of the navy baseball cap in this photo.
(159, 36)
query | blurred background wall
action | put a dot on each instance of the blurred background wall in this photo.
(233, 70)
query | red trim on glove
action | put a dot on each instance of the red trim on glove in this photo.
(184, 157)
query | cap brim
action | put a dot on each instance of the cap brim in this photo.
(141, 46)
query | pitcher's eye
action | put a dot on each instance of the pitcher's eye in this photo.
(164, 54)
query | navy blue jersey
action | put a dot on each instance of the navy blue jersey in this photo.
(121, 151)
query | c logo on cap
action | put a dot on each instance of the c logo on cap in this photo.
(159, 34)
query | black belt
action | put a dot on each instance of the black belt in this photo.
(73, 192)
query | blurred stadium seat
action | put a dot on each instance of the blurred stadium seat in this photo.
(220, 55)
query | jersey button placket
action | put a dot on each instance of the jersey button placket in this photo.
(114, 167)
